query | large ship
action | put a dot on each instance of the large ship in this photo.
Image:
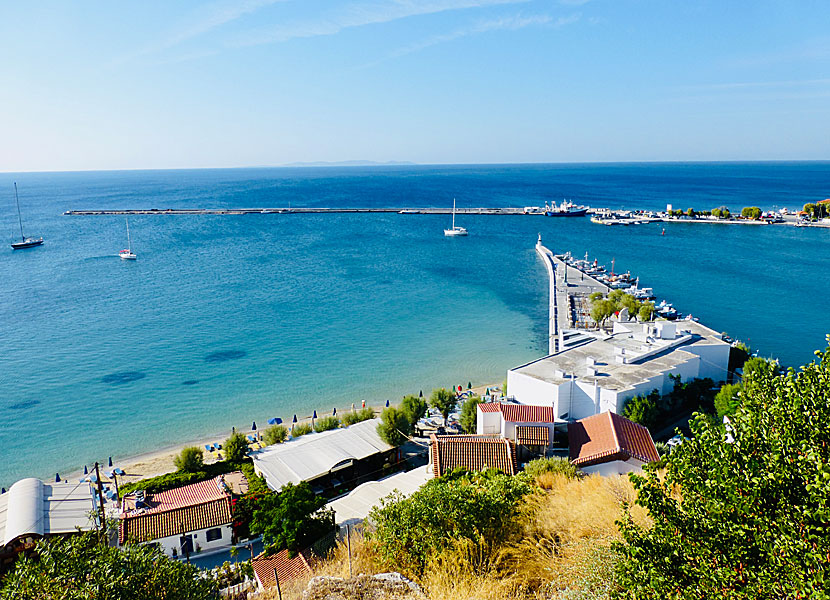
(566, 209)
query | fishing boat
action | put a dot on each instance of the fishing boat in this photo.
(454, 231)
(566, 209)
(24, 241)
(127, 253)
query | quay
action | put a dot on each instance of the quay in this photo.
(303, 210)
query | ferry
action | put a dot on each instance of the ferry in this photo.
(566, 209)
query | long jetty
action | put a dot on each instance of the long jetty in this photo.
(304, 210)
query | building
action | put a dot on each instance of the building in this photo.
(609, 444)
(328, 459)
(286, 567)
(185, 520)
(597, 372)
(32, 510)
(474, 452)
(527, 425)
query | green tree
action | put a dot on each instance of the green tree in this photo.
(690, 212)
(646, 311)
(716, 213)
(293, 519)
(743, 516)
(601, 310)
(810, 209)
(275, 434)
(326, 424)
(751, 212)
(469, 414)
(191, 460)
(644, 410)
(80, 568)
(727, 399)
(364, 414)
(414, 408)
(236, 448)
(394, 427)
(444, 401)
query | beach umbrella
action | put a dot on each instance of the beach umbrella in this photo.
(352, 406)
(487, 391)
(57, 477)
(82, 479)
(334, 412)
(86, 470)
(274, 421)
(119, 471)
(2, 490)
(110, 462)
(253, 426)
(460, 388)
(469, 385)
(363, 404)
(387, 404)
(295, 419)
(314, 416)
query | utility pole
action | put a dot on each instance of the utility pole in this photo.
(349, 543)
(277, 579)
(103, 528)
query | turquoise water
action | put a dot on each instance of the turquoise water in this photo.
(227, 319)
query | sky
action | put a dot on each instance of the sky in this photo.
(158, 84)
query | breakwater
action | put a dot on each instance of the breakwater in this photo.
(304, 210)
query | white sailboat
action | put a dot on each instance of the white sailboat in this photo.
(24, 241)
(454, 231)
(127, 254)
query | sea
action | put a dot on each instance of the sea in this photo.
(227, 320)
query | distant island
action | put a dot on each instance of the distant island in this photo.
(352, 163)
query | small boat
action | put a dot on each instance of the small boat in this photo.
(454, 231)
(25, 242)
(566, 209)
(127, 254)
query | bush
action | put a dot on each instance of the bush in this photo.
(536, 467)
(275, 434)
(191, 460)
(469, 414)
(461, 505)
(364, 414)
(326, 424)
(727, 400)
(643, 409)
(414, 408)
(301, 429)
(394, 428)
(292, 519)
(235, 448)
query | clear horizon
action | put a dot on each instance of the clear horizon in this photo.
(259, 83)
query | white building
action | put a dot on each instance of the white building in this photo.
(524, 424)
(598, 372)
(609, 444)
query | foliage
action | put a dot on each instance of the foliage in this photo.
(751, 212)
(191, 460)
(727, 399)
(414, 408)
(690, 212)
(394, 427)
(169, 481)
(810, 209)
(326, 424)
(236, 448)
(646, 312)
(553, 464)
(746, 519)
(292, 519)
(739, 353)
(643, 409)
(504, 388)
(460, 505)
(443, 400)
(817, 211)
(601, 310)
(228, 573)
(275, 434)
(78, 567)
(300, 429)
(256, 484)
(364, 414)
(469, 414)
(653, 409)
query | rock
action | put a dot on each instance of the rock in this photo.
(385, 586)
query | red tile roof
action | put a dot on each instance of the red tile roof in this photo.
(607, 437)
(187, 495)
(474, 452)
(287, 568)
(532, 435)
(520, 413)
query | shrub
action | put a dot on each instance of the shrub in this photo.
(292, 519)
(643, 409)
(364, 414)
(394, 428)
(469, 414)
(727, 400)
(275, 434)
(536, 467)
(236, 448)
(191, 460)
(326, 424)
(414, 408)
(300, 429)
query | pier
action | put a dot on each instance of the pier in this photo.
(510, 210)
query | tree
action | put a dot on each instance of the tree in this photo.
(745, 518)
(751, 212)
(191, 460)
(364, 414)
(394, 427)
(716, 213)
(690, 212)
(326, 424)
(293, 519)
(236, 448)
(601, 310)
(469, 414)
(727, 399)
(79, 567)
(810, 209)
(443, 400)
(646, 311)
(644, 409)
(414, 408)
(275, 434)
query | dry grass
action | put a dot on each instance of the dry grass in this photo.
(561, 549)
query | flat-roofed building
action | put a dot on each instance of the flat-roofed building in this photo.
(598, 372)
(609, 444)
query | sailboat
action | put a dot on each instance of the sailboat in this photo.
(25, 242)
(454, 231)
(127, 254)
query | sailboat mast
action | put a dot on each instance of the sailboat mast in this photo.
(453, 214)
(19, 219)
(129, 243)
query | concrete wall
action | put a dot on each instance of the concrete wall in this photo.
(714, 360)
(617, 467)
(529, 390)
(487, 422)
(199, 537)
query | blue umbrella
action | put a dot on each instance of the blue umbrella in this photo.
(295, 419)
(334, 412)
(110, 462)
(2, 490)
(421, 395)
(57, 477)
(274, 421)
(314, 416)
(119, 471)
(387, 404)
(253, 426)
(86, 470)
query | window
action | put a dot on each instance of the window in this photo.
(214, 534)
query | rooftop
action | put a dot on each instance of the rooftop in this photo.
(520, 413)
(621, 360)
(287, 568)
(356, 505)
(607, 437)
(474, 452)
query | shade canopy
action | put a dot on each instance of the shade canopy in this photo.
(253, 426)
(334, 412)
(109, 464)
(86, 470)
(387, 404)
(314, 416)
(57, 477)
(295, 419)
(274, 421)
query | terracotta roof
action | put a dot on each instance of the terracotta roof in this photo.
(187, 495)
(607, 437)
(520, 413)
(532, 435)
(475, 452)
(825, 201)
(287, 568)
(158, 525)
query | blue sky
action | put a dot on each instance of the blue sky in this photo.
(108, 85)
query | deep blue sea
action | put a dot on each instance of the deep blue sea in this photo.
(227, 319)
